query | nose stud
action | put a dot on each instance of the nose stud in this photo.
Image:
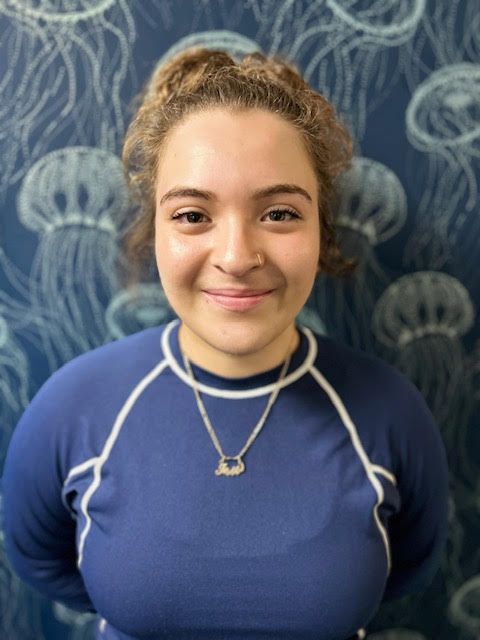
(259, 259)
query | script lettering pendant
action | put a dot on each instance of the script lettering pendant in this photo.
(224, 470)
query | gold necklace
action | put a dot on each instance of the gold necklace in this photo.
(223, 469)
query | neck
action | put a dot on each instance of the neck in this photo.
(233, 365)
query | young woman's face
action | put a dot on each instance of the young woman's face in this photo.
(209, 242)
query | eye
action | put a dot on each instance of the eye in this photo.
(276, 215)
(279, 214)
(188, 216)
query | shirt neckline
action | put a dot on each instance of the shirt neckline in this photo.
(238, 388)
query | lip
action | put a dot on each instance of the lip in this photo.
(237, 300)
(237, 293)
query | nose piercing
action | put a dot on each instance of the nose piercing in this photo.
(259, 259)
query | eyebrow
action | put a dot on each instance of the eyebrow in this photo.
(258, 194)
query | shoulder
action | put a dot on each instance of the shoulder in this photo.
(358, 371)
(107, 369)
(135, 350)
(75, 407)
(375, 391)
(389, 412)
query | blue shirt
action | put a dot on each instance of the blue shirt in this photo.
(112, 504)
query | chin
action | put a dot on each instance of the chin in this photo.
(234, 347)
(237, 340)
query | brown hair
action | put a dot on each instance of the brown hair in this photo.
(200, 79)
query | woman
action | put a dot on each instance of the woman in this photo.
(230, 474)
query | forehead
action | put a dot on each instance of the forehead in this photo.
(234, 149)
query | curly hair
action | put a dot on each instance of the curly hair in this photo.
(199, 79)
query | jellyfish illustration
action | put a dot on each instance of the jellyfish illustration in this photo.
(236, 44)
(372, 209)
(20, 607)
(450, 34)
(473, 373)
(464, 607)
(474, 366)
(14, 385)
(77, 201)
(421, 318)
(452, 569)
(345, 46)
(215, 12)
(155, 12)
(141, 307)
(309, 317)
(443, 121)
(66, 64)
(24, 319)
(81, 624)
(464, 509)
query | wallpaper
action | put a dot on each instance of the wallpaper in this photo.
(403, 74)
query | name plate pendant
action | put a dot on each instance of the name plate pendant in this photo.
(224, 469)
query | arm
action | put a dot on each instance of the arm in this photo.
(39, 531)
(418, 532)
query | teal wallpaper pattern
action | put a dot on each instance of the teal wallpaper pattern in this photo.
(404, 75)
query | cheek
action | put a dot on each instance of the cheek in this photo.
(176, 259)
(302, 258)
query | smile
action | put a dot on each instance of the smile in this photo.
(236, 303)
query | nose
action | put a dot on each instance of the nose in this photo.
(235, 247)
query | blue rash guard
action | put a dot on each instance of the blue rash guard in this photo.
(112, 505)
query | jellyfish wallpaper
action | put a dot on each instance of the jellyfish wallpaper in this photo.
(404, 75)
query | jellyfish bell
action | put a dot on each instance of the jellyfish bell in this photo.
(443, 111)
(63, 11)
(372, 209)
(372, 200)
(74, 186)
(421, 304)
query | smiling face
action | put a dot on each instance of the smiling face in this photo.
(209, 241)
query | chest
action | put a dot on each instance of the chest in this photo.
(291, 544)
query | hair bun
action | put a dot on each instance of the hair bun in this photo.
(185, 71)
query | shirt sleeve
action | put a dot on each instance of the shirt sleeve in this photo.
(418, 531)
(38, 529)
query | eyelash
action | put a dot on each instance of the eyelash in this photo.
(178, 216)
